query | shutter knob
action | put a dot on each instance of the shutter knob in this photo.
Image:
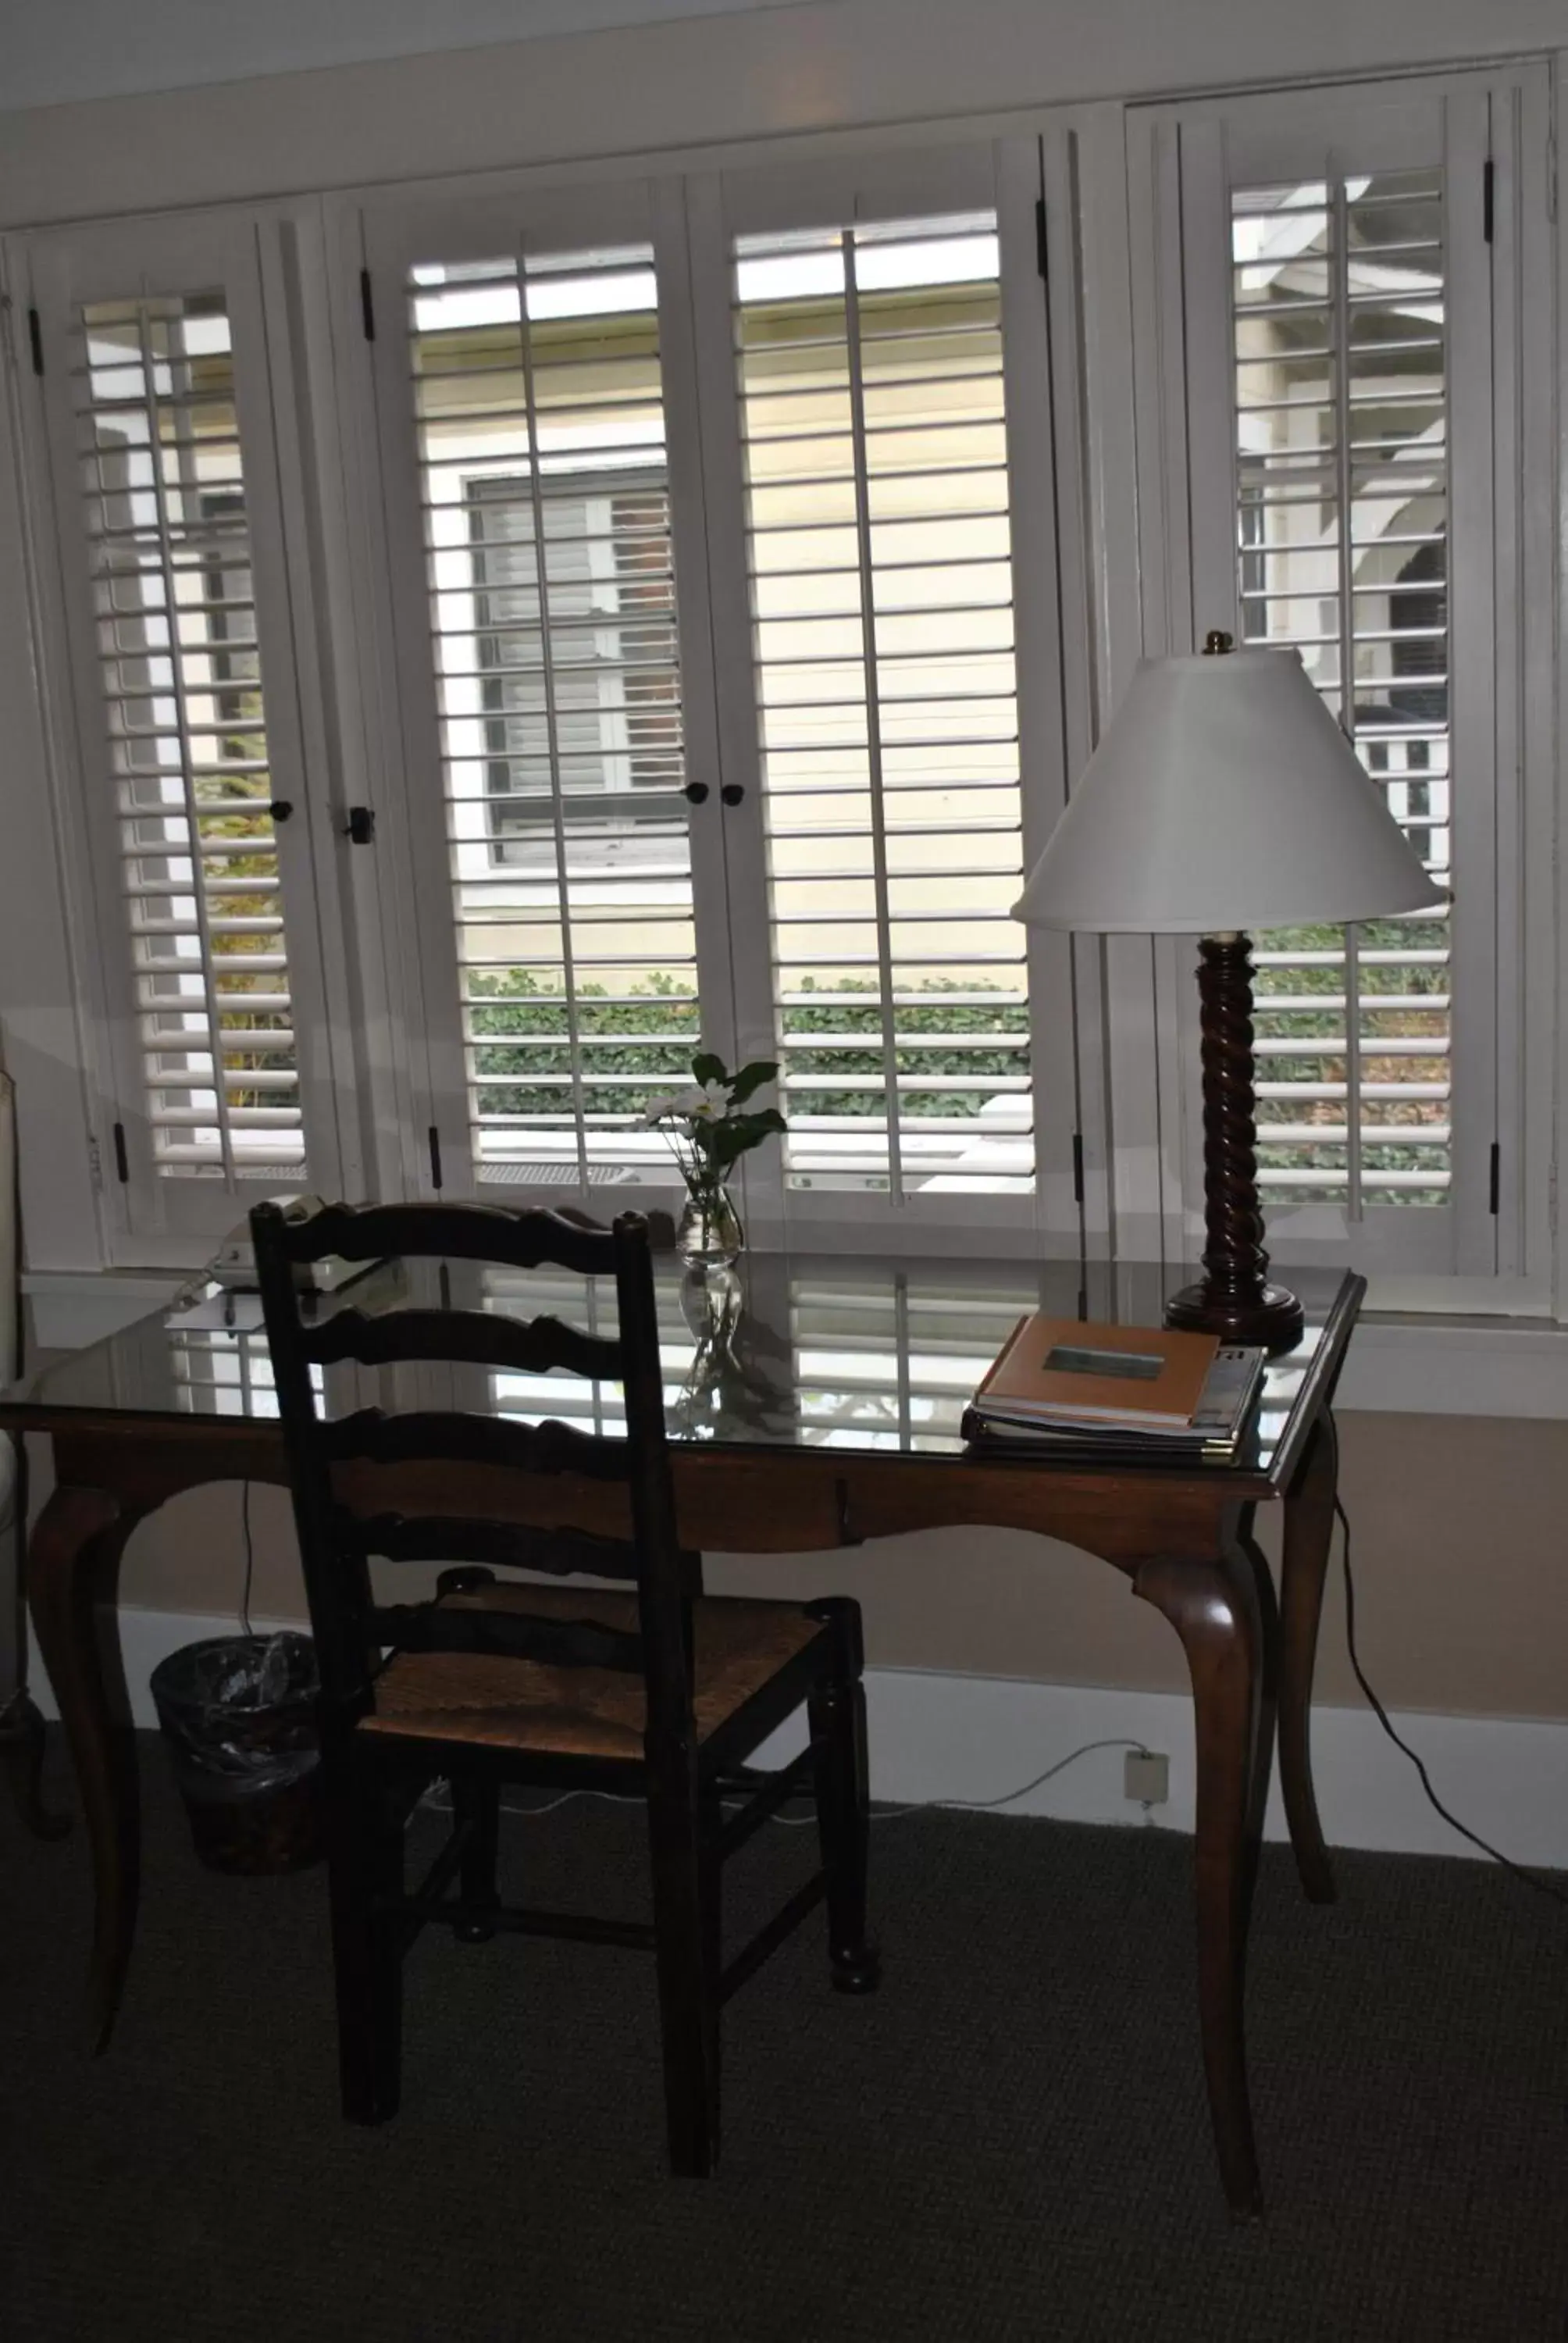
(696, 793)
(732, 793)
(280, 809)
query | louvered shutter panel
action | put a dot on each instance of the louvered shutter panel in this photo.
(537, 396)
(180, 669)
(1341, 456)
(157, 391)
(873, 424)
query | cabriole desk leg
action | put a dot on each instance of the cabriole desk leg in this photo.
(1308, 1532)
(73, 1572)
(1213, 1604)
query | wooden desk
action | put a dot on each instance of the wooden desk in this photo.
(821, 1410)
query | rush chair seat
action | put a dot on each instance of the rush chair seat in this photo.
(650, 1688)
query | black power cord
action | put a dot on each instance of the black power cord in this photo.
(1531, 1878)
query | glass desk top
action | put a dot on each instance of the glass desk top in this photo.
(864, 1354)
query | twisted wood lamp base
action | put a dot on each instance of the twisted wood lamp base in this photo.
(1233, 1298)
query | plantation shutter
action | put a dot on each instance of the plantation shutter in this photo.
(1344, 344)
(1341, 458)
(154, 385)
(521, 380)
(883, 545)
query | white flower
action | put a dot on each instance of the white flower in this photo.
(681, 1105)
(710, 1103)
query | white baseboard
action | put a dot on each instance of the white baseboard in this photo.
(937, 1736)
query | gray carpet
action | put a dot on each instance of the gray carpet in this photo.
(1009, 2140)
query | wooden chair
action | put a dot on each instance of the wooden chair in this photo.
(660, 1691)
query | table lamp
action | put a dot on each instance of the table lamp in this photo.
(1222, 797)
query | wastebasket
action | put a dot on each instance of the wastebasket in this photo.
(239, 1715)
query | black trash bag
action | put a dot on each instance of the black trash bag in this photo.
(240, 1715)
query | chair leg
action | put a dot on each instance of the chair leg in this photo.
(685, 1915)
(477, 1808)
(365, 1861)
(837, 1710)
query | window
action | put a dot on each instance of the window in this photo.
(617, 715)
(872, 411)
(186, 738)
(178, 642)
(879, 452)
(1341, 456)
(536, 384)
(653, 472)
(711, 581)
(1349, 395)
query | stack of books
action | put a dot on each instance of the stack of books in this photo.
(1136, 1390)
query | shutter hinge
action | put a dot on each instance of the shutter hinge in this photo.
(36, 340)
(1551, 176)
(1488, 198)
(1042, 246)
(1494, 1179)
(94, 1163)
(1077, 1167)
(122, 1161)
(434, 1138)
(359, 829)
(366, 306)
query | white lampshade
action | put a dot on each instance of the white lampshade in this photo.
(1223, 796)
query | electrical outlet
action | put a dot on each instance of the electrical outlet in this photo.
(1147, 1776)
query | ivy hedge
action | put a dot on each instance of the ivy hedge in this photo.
(652, 1037)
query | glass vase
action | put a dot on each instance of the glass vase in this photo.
(709, 1234)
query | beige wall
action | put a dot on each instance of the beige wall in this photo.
(1461, 1554)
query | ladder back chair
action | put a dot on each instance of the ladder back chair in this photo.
(652, 1689)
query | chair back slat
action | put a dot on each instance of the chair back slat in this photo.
(376, 1438)
(445, 1231)
(510, 1634)
(460, 1537)
(475, 1338)
(448, 1487)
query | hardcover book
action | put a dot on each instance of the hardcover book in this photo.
(1031, 1392)
(1060, 1371)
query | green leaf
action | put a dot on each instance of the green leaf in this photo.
(707, 1067)
(727, 1140)
(751, 1078)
